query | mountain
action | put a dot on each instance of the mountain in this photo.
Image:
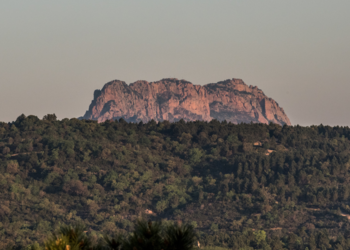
(172, 99)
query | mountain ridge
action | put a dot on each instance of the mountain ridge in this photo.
(172, 99)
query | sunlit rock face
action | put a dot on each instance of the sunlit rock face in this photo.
(172, 99)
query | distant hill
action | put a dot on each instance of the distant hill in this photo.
(245, 186)
(172, 99)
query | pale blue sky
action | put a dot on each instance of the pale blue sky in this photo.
(54, 54)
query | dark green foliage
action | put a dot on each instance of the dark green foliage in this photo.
(228, 180)
(114, 243)
(74, 237)
(179, 237)
(152, 236)
(49, 117)
(146, 236)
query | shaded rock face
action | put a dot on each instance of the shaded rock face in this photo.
(172, 99)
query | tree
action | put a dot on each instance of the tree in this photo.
(196, 180)
(76, 187)
(153, 236)
(50, 117)
(195, 155)
(161, 205)
(69, 238)
(12, 167)
(6, 150)
(214, 227)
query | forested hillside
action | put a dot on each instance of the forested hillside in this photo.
(247, 186)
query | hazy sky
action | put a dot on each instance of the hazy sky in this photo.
(54, 54)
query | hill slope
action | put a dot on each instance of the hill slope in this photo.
(233, 182)
(172, 100)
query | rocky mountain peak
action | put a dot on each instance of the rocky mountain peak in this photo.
(173, 99)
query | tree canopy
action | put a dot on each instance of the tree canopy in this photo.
(241, 186)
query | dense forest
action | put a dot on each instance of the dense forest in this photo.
(245, 186)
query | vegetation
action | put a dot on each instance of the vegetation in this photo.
(146, 236)
(246, 186)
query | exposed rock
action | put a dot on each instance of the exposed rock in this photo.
(269, 151)
(147, 211)
(172, 99)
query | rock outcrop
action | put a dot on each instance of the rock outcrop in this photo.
(172, 99)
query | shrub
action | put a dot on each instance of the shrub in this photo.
(146, 235)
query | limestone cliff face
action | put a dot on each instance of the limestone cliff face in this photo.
(172, 99)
